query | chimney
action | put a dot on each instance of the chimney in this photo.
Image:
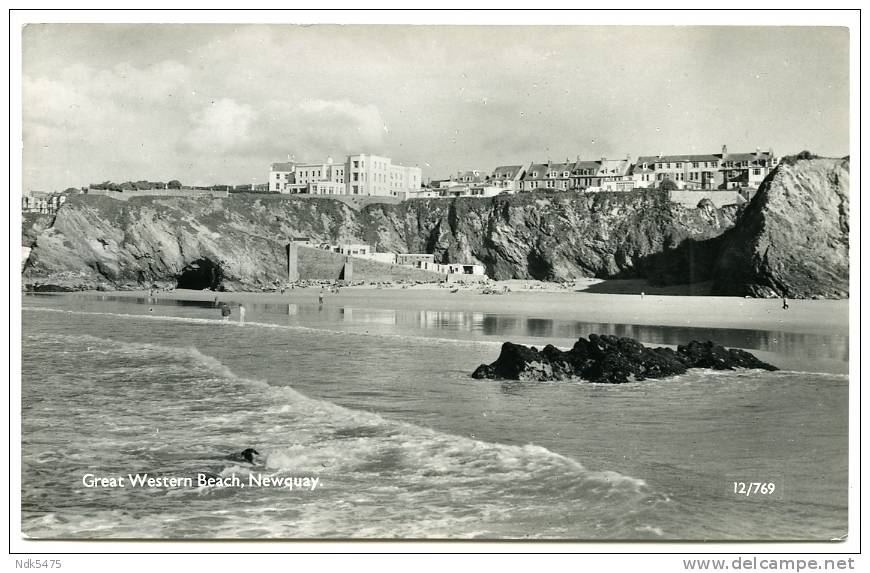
(770, 152)
(603, 160)
(329, 159)
(724, 151)
(578, 158)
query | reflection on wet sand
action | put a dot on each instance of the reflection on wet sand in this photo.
(810, 346)
(790, 343)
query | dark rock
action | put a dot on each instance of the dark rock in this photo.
(609, 359)
(708, 355)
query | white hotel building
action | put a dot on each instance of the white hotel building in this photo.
(359, 175)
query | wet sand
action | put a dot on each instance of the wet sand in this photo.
(550, 300)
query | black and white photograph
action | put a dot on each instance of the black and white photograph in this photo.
(517, 281)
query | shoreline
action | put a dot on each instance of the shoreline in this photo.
(556, 302)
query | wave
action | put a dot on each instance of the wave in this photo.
(412, 474)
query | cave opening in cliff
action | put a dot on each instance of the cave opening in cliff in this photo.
(201, 274)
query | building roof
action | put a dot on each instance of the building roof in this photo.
(285, 166)
(509, 170)
(678, 158)
(587, 166)
(747, 156)
(544, 168)
(614, 167)
(471, 175)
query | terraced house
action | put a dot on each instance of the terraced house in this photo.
(687, 171)
(705, 171)
(557, 176)
(746, 169)
(508, 177)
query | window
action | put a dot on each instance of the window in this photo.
(356, 164)
(565, 174)
(694, 165)
(756, 171)
(679, 165)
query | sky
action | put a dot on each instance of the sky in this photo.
(209, 104)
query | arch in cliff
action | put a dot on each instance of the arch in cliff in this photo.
(201, 274)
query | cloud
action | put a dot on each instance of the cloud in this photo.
(221, 127)
(310, 129)
(340, 126)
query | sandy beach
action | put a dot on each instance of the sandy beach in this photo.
(551, 300)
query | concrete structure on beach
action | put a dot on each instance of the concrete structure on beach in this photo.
(357, 251)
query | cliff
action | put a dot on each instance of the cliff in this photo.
(793, 238)
(555, 236)
(240, 241)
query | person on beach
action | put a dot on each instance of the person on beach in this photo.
(241, 314)
(320, 297)
(225, 312)
(642, 295)
(784, 303)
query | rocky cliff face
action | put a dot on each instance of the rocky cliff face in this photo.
(240, 241)
(793, 238)
(556, 236)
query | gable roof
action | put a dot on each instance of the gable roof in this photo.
(751, 157)
(679, 158)
(587, 166)
(509, 170)
(285, 166)
(543, 168)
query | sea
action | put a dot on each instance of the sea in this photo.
(368, 425)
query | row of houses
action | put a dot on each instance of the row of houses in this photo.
(43, 203)
(712, 171)
(362, 175)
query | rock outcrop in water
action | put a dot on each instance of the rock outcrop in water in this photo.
(793, 238)
(612, 360)
(242, 239)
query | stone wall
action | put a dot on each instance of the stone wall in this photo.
(128, 194)
(690, 199)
